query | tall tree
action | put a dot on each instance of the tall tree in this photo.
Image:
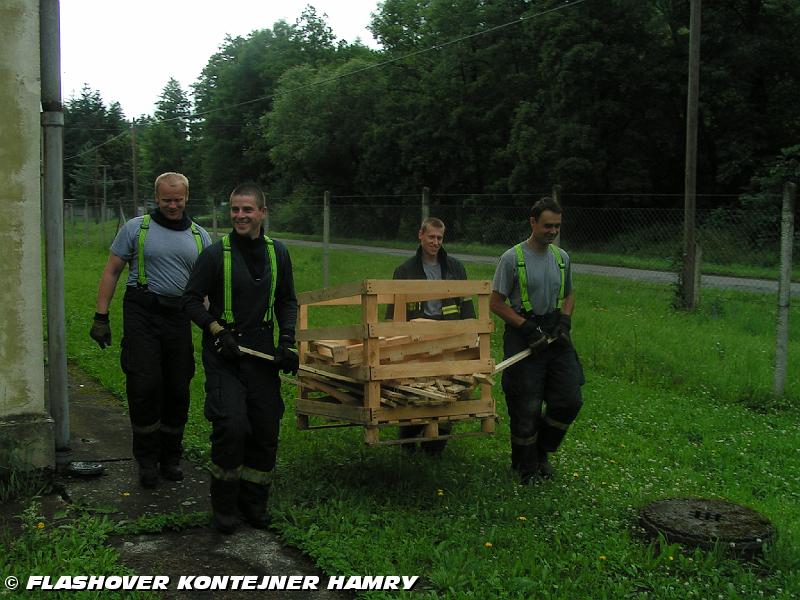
(164, 143)
(95, 135)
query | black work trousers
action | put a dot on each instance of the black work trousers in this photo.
(158, 361)
(244, 406)
(552, 378)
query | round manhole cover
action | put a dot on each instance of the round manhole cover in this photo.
(85, 469)
(705, 522)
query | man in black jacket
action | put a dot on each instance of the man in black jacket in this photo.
(432, 262)
(249, 283)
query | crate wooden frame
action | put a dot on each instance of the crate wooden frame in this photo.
(371, 414)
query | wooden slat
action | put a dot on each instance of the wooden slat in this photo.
(343, 332)
(466, 408)
(430, 328)
(423, 369)
(429, 347)
(427, 288)
(337, 292)
(356, 414)
(345, 397)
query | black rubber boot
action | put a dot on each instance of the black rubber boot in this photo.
(545, 468)
(253, 498)
(436, 448)
(528, 464)
(146, 450)
(171, 451)
(224, 495)
(407, 432)
(148, 476)
(516, 452)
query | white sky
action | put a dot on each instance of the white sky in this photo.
(129, 49)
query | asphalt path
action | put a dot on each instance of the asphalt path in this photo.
(742, 284)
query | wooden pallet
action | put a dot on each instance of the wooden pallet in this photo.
(378, 374)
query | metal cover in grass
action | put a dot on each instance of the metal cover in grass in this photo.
(85, 469)
(706, 522)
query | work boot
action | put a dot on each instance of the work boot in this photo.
(172, 472)
(516, 452)
(148, 476)
(171, 451)
(146, 449)
(545, 468)
(436, 447)
(528, 464)
(252, 503)
(224, 494)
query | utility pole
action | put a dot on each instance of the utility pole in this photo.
(784, 288)
(135, 174)
(690, 280)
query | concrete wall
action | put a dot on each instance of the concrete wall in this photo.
(26, 431)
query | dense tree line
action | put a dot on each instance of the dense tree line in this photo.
(591, 96)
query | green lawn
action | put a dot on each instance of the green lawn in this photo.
(675, 405)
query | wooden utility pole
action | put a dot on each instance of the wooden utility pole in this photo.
(326, 238)
(426, 203)
(689, 281)
(135, 173)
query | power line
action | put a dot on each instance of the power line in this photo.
(384, 63)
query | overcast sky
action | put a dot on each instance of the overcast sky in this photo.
(129, 49)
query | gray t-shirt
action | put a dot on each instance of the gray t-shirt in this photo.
(169, 255)
(433, 308)
(544, 278)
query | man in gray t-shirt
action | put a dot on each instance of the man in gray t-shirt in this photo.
(157, 355)
(535, 278)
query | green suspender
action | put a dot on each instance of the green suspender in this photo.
(198, 240)
(140, 255)
(523, 277)
(449, 309)
(227, 301)
(143, 229)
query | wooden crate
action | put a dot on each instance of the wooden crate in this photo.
(369, 373)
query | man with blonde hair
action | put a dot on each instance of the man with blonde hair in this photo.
(157, 357)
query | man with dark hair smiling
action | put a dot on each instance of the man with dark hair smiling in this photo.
(535, 277)
(157, 353)
(248, 280)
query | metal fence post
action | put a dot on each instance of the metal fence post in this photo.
(556, 195)
(214, 218)
(326, 233)
(784, 288)
(426, 203)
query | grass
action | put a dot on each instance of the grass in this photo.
(73, 547)
(675, 405)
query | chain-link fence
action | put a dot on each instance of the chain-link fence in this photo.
(626, 263)
(736, 242)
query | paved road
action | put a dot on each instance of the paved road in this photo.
(743, 284)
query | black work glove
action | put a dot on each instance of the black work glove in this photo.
(101, 330)
(561, 332)
(227, 345)
(286, 358)
(533, 334)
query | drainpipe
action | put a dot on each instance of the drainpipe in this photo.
(53, 193)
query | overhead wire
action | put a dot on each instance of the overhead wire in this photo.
(568, 4)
